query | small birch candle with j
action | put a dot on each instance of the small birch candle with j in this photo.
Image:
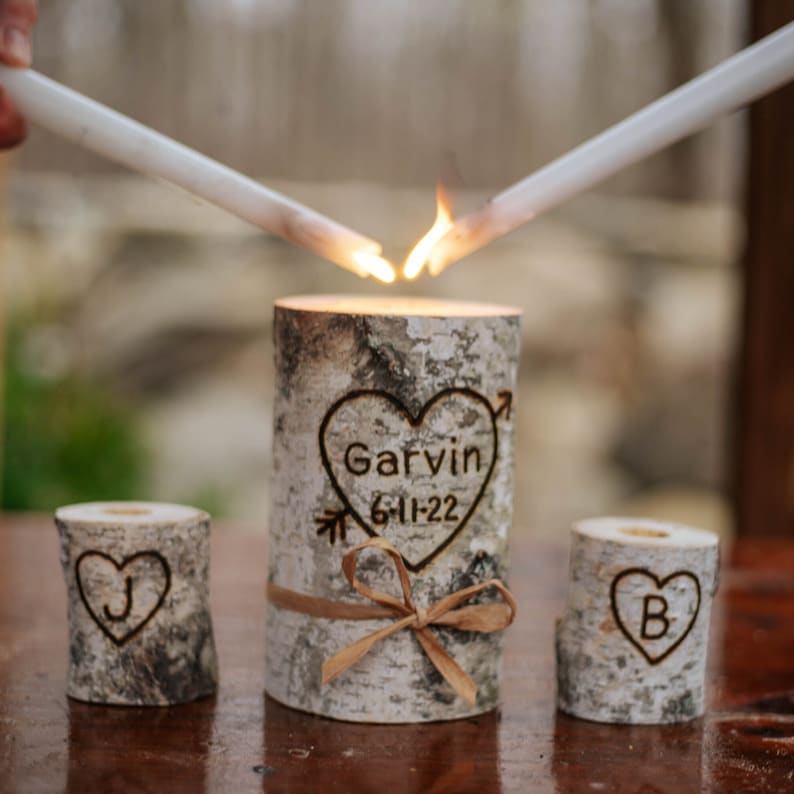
(137, 585)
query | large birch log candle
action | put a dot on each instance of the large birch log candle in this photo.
(137, 586)
(392, 505)
(631, 646)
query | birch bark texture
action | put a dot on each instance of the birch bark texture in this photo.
(631, 645)
(392, 418)
(140, 632)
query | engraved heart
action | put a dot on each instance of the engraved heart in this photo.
(415, 480)
(122, 597)
(655, 614)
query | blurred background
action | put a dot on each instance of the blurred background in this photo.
(135, 323)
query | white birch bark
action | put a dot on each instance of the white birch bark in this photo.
(137, 587)
(631, 645)
(391, 417)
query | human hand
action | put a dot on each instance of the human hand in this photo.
(17, 18)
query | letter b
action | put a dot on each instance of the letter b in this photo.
(651, 615)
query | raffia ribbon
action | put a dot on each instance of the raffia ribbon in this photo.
(408, 615)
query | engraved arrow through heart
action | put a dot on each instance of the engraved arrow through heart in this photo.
(415, 479)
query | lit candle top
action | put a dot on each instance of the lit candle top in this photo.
(398, 305)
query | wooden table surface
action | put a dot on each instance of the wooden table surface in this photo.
(240, 741)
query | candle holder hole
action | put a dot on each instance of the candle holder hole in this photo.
(127, 511)
(644, 532)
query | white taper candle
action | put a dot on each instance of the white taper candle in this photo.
(740, 79)
(117, 137)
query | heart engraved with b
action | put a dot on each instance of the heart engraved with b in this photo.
(656, 614)
(122, 597)
(414, 479)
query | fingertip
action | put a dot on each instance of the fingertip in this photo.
(15, 47)
(17, 18)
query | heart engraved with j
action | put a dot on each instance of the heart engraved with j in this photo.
(414, 479)
(656, 614)
(122, 597)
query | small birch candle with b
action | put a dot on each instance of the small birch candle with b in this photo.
(631, 645)
(392, 505)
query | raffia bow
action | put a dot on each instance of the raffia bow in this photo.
(408, 615)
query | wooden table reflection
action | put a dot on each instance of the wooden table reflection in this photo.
(241, 741)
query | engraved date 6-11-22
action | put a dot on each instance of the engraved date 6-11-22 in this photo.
(435, 509)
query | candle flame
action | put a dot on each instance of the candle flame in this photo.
(375, 265)
(444, 222)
